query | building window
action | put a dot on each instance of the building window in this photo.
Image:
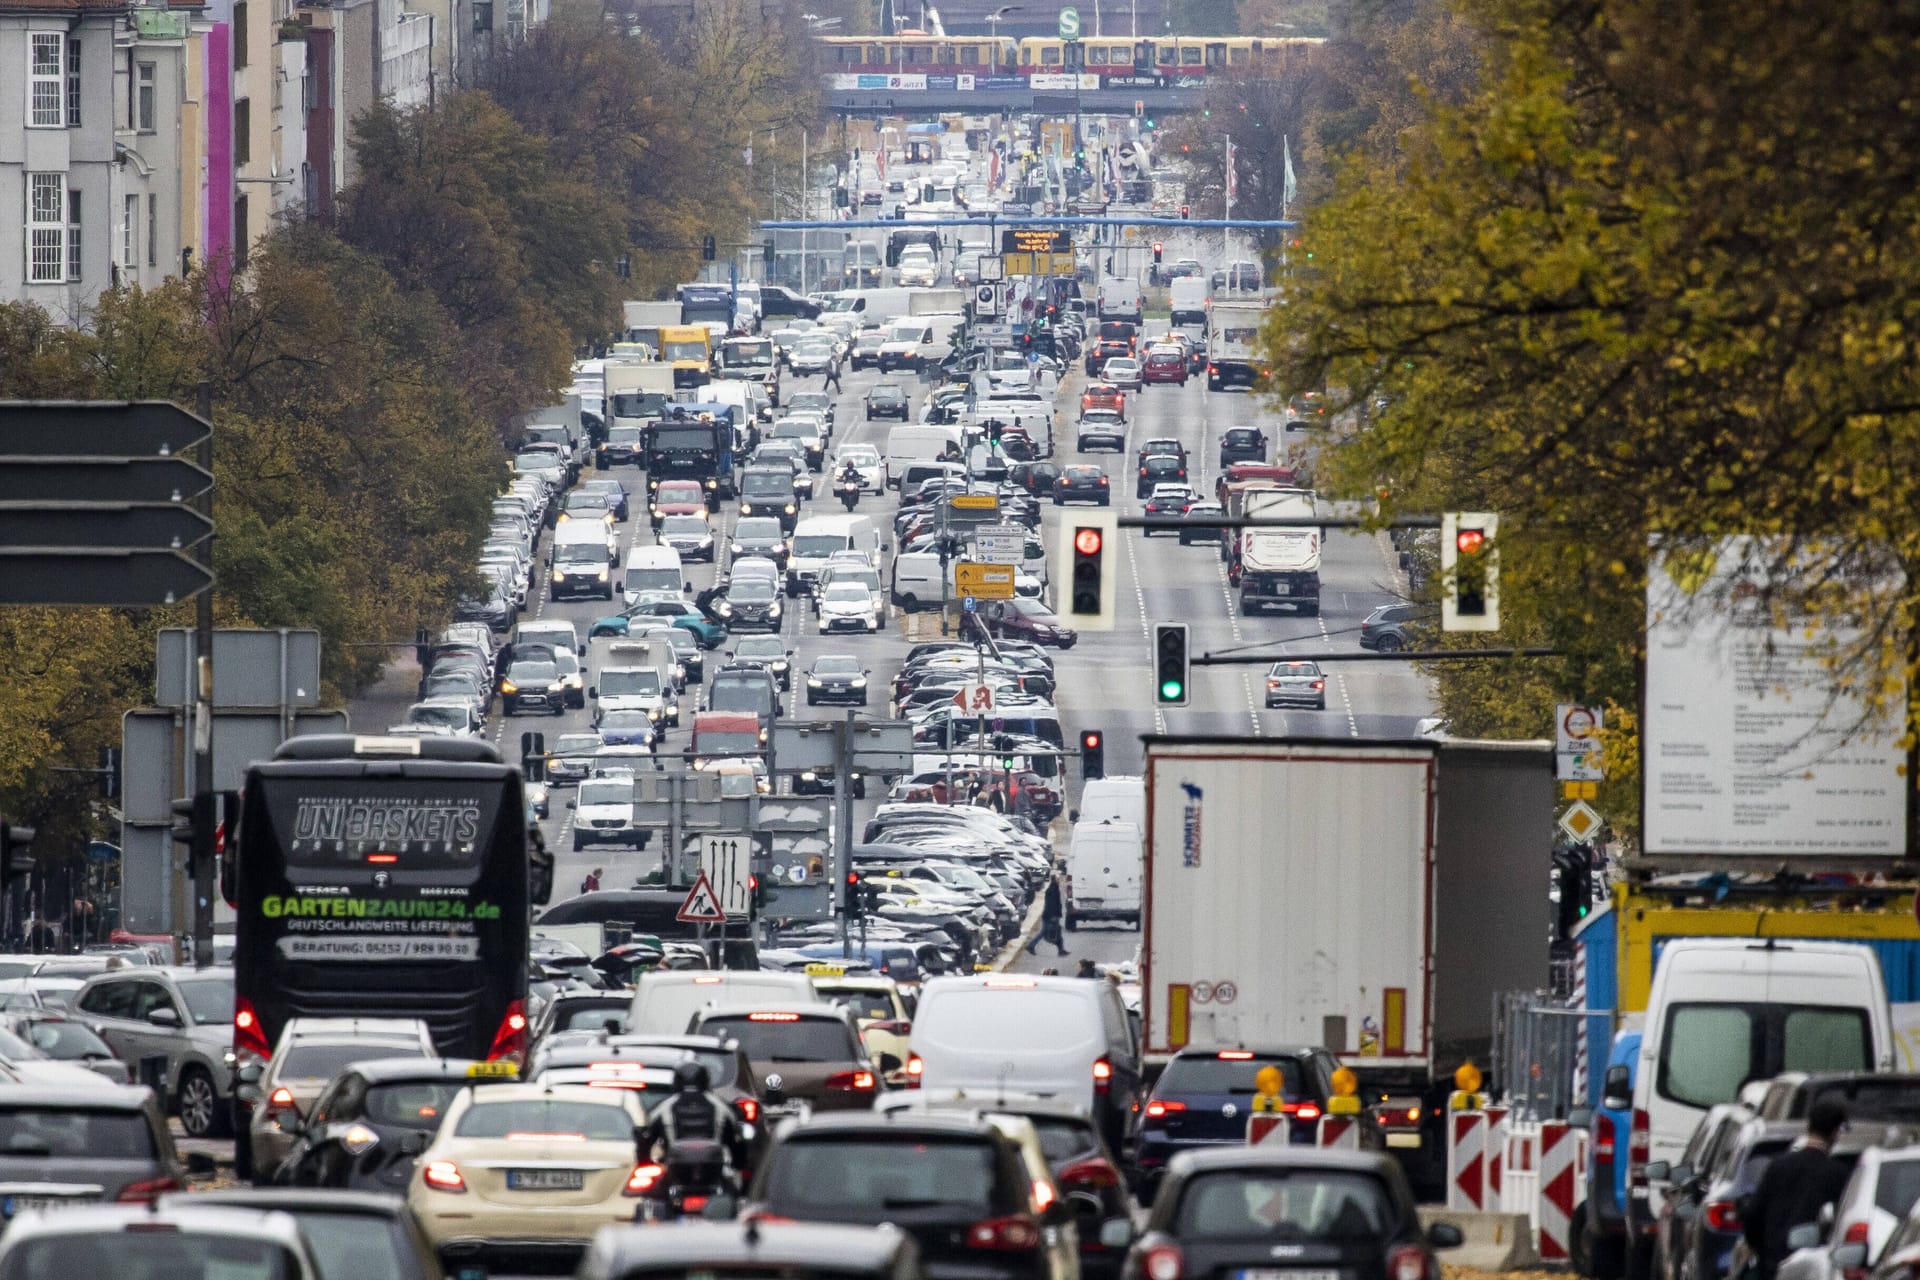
(73, 235)
(130, 234)
(240, 237)
(482, 15)
(153, 230)
(73, 84)
(242, 130)
(46, 230)
(240, 34)
(143, 97)
(45, 81)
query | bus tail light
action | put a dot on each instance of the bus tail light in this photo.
(249, 1037)
(510, 1041)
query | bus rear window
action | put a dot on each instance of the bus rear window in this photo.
(397, 823)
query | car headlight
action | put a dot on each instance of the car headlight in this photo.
(724, 609)
(789, 508)
(508, 686)
(653, 713)
(813, 682)
(739, 550)
(859, 682)
(602, 575)
(773, 610)
(746, 509)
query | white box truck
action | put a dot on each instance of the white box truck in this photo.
(1324, 892)
(1232, 330)
(1277, 567)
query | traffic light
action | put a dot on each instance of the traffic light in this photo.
(707, 248)
(1470, 571)
(1158, 247)
(855, 905)
(1573, 880)
(1093, 755)
(1170, 665)
(1186, 211)
(194, 823)
(756, 896)
(1092, 539)
(16, 850)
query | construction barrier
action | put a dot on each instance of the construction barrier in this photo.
(1554, 1211)
(1466, 1159)
(1339, 1131)
(1496, 1156)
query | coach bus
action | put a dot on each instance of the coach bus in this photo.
(385, 878)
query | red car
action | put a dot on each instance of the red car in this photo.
(1101, 395)
(677, 498)
(1165, 364)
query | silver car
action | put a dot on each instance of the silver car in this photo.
(311, 1052)
(1294, 682)
(181, 1021)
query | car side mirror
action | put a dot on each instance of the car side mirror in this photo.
(1116, 1233)
(1617, 1092)
(164, 1016)
(573, 804)
(1580, 1118)
(1657, 1170)
(1804, 1236)
(1445, 1235)
(201, 1164)
(593, 691)
(250, 1073)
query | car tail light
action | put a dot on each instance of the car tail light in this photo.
(249, 1037)
(892, 1028)
(643, 1179)
(1090, 1173)
(1319, 684)
(281, 1100)
(1856, 1233)
(1407, 1262)
(1158, 1108)
(510, 1039)
(856, 1081)
(1302, 1110)
(1102, 1075)
(444, 1175)
(1639, 1146)
(147, 1191)
(915, 1069)
(749, 1109)
(1163, 1262)
(693, 1204)
(1014, 1233)
(1103, 482)
(1603, 1139)
(1723, 1215)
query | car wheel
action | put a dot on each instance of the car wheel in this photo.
(1391, 643)
(201, 1114)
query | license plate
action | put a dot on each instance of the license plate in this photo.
(10, 1205)
(545, 1179)
(1285, 1274)
(1403, 1139)
(1283, 589)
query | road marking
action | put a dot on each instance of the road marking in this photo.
(1353, 725)
(1233, 621)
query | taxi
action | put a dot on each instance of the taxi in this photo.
(525, 1174)
(877, 1007)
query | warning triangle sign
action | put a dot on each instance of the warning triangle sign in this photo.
(702, 905)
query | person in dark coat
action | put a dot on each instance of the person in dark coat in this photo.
(1794, 1188)
(1051, 910)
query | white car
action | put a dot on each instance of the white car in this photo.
(603, 814)
(848, 606)
(811, 355)
(635, 689)
(864, 574)
(866, 460)
(1122, 371)
(918, 269)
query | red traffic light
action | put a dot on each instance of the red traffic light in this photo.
(1090, 739)
(853, 877)
(1470, 542)
(1158, 246)
(1087, 542)
(1185, 210)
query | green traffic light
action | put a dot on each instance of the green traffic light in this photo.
(1170, 689)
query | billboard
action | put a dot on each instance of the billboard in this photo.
(1756, 738)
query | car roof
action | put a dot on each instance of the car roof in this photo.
(1236, 1156)
(292, 1199)
(101, 1220)
(104, 1096)
(824, 1009)
(958, 1123)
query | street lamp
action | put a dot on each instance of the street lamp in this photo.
(993, 19)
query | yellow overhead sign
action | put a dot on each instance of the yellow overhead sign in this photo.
(1038, 264)
(983, 581)
(976, 501)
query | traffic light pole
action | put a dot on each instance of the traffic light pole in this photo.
(204, 809)
(843, 827)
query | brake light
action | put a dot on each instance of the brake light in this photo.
(148, 1191)
(853, 1080)
(1407, 1262)
(1235, 1055)
(1723, 1215)
(706, 979)
(1157, 1108)
(641, 1181)
(694, 1204)
(1639, 1146)
(1093, 1172)
(248, 1036)
(773, 1017)
(281, 1100)
(1163, 1262)
(915, 1069)
(510, 1039)
(444, 1175)
(1603, 1139)
(1319, 684)
(1301, 1110)
(749, 1109)
(1003, 1233)
(1856, 1233)
(1102, 1075)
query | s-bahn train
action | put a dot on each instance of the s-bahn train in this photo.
(1172, 59)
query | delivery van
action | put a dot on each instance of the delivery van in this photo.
(1105, 863)
(918, 442)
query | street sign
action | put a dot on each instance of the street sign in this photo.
(80, 479)
(975, 699)
(983, 581)
(125, 578)
(969, 605)
(1035, 240)
(1069, 24)
(975, 501)
(1000, 544)
(1581, 820)
(102, 851)
(251, 668)
(1576, 747)
(153, 526)
(701, 906)
(725, 865)
(98, 428)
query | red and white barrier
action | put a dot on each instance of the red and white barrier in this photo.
(1496, 1156)
(1555, 1212)
(1339, 1131)
(1466, 1159)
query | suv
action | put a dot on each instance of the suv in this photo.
(181, 1015)
(811, 1052)
(59, 1146)
(311, 1052)
(959, 1184)
(1385, 629)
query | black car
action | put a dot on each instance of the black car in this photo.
(1083, 484)
(955, 1183)
(888, 400)
(748, 690)
(370, 1122)
(865, 353)
(1157, 469)
(351, 1236)
(1168, 504)
(1035, 477)
(532, 685)
(751, 604)
(760, 536)
(1243, 444)
(1234, 1210)
(1101, 429)
(768, 653)
(1700, 1221)
(838, 679)
(770, 491)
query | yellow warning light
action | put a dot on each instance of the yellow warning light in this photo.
(1467, 1078)
(1268, 1080)
(1344, 1082)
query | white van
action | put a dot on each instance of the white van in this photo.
(1189, 304)
(667, 1001)
(1723, 1012)
(562, 635)
(1117, 799)
(655, 573)
(1061, 1038)
(582, 562)
(918, 442)
(1121, 300)
(816, 538)
(918, 342)
(1105, 863)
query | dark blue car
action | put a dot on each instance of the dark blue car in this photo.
(625, 729)
(1600, 1224)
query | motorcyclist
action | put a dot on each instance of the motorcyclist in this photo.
(694, 1114)
(849, 485)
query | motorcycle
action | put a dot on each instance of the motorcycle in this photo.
(693, 1175)
(849, 491)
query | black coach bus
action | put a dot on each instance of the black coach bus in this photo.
(385, 878)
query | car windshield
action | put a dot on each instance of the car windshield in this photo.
(354, 1246)
(580, 553)
(871, 1005)
(1235, 1071)
(1284, 1204)
(756, 590)
(870, 1179)
(767, 484)
(630, 681)
(58, 1038)
(606, 792)
(693, 525)
(325, 1061)
(836, 665)
(209, 1000)
(1709, 1048)
(532, 672)
(533, 1119)
(762, 529)
(886, 392)
(760, 647)
(680, 493)
(74, 1133)
(848, 593)
(791, 430)
(750, 353)
(683, 351)
(1300, 670)
(859, 457)
(172, 1255)
(728, 742)
(449, 717)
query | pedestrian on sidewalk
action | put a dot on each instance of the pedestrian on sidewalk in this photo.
(1050, 913)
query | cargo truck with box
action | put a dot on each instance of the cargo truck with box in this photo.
(1232, 330)
(1330, 893)
(1276, 567)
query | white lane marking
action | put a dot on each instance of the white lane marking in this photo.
(1340, 678)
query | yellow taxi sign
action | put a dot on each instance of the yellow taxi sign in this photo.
(1268, 1080)
(1344, 1082)
(825, 969)
(492, 1070)
(1467, 1078)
